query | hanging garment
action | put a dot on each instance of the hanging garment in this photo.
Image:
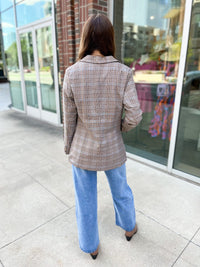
(144, 96)
(163, 114)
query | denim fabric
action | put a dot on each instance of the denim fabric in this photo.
(85, 183)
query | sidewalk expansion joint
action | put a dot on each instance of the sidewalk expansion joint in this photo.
(153, 219)
(46, 189)
(36, 228)
(195, 244)
(1, 263)
(190, 241)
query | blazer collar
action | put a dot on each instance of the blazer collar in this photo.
(98, 59)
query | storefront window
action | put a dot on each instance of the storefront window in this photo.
(31, 10)
(10, 48)
(150, 44)
(187, 154)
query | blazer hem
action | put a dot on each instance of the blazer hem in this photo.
(84, 167)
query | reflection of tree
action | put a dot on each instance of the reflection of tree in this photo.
(47, 8)
(45, 48)
(11, 52)
(11, 55)
(27, 52)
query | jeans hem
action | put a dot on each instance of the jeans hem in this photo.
(126, 229)
(89, 250)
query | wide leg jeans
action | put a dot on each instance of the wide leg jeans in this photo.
(85, 183)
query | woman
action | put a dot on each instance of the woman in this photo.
(96, 89)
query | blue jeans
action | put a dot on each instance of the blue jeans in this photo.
(85, 183)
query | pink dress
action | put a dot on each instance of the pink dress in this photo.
(144, 96)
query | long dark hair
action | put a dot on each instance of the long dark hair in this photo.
(97, 34)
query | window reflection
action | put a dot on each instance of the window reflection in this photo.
(3, 70)
(31, 10)
(5, 4)
(150, 45)
(29, 69)
(187, 156)
(10, 47)
(46, 69)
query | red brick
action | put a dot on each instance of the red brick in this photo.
(98, 7)
(71, 16)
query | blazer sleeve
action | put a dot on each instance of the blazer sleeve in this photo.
(69, 114)
(131, 105)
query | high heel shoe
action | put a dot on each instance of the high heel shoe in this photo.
(94, 254)
(133, 232)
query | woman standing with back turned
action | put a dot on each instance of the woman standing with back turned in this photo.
(96, 89)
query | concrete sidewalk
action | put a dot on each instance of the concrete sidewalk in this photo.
(37, 207)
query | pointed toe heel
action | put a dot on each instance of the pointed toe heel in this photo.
(94, 256)
(128, 238)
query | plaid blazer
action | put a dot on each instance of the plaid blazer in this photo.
(96, 90)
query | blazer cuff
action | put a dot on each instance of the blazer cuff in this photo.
(66, 149)
(126, 126)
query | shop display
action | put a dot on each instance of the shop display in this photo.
(163, 113)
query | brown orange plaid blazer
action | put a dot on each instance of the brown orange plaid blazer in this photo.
(95, 91)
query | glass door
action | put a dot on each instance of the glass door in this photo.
(45, 68)
(29, 73)
(37, 67)
(187, 152)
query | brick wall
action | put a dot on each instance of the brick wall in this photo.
(71, 16)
